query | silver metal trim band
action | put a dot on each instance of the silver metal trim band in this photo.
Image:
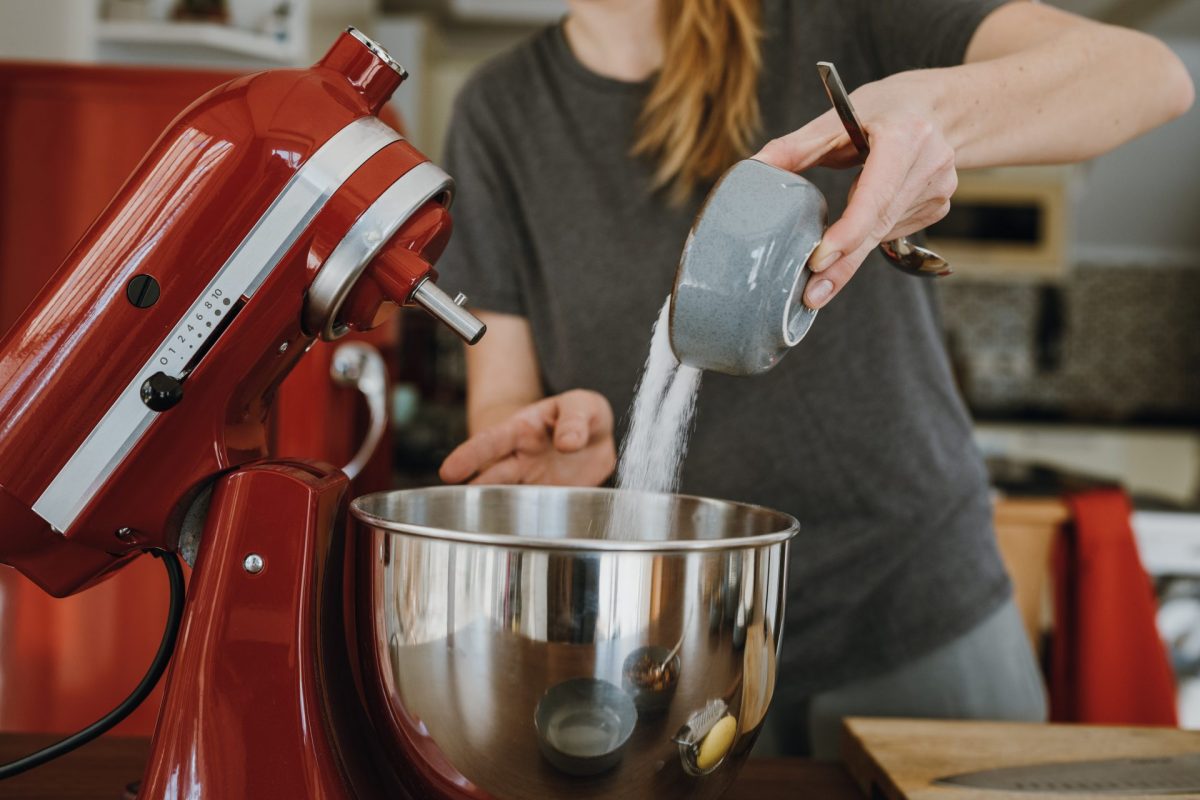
(122, 426)
(366, 237)
(378, 51)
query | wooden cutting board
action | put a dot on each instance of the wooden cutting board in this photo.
(898, 759)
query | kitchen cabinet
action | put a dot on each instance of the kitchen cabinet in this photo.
(1025, 531)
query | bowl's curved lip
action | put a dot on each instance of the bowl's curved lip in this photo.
(510, 541)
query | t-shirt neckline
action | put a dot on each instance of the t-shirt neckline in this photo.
(561, 51)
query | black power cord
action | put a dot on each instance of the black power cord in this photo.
(157, 667)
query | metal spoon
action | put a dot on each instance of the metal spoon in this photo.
(666, 661)
(905, 256)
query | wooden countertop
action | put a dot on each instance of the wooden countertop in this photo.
(102, 769)
(900, 759)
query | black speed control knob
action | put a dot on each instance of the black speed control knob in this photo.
(160, 391)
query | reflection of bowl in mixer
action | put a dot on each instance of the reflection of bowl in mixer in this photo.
(480, 601)
(583, 725)
(650, 677)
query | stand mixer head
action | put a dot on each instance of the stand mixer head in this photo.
(275, 209)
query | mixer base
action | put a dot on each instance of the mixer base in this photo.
(261, 700)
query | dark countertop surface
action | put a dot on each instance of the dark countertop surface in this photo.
(103, 768)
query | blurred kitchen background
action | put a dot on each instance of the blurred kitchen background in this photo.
(1073, 324)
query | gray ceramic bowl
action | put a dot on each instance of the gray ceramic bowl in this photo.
(737, 305)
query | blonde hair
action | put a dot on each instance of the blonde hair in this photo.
(703, 110)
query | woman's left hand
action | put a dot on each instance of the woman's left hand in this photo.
(905, 184)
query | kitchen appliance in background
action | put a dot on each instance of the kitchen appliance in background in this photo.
(1009, 223)
(278, 209)
(1169, 544)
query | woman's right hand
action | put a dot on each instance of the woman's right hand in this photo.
(564, 440)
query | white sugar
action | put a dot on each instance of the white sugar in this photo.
(660, 422)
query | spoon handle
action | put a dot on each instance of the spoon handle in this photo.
(905, 256)
(842, 105)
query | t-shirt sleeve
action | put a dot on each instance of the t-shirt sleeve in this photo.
(487, 256)
(924, 34)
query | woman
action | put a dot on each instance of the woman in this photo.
(581, 158)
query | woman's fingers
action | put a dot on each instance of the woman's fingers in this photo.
(566, 423)
(920, 218)
(872, 209)
(581, 416)
(806, 147)
(505, 471)
(571, 430)
(824, 286)
(479, 451)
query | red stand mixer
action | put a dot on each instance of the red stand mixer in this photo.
(135, 388)
(311, 663)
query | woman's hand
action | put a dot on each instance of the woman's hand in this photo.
(564, 440)
(1038, 86)
(905, 185)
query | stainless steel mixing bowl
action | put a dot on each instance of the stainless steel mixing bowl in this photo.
(486, 600)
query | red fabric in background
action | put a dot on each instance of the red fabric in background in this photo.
(1109, 665)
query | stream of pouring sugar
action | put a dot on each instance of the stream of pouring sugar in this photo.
(659, 425)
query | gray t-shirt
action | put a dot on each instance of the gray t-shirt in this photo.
(858, 432)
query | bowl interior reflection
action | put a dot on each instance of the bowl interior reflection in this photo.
(583, 724)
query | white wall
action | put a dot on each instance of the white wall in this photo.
(1140, 204)
(48, 30)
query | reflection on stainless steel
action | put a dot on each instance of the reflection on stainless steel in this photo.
(583, 725)
(650, 675)
(485, 598)
(706, 738)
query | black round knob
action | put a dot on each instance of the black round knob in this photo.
(142, 291)
(160, 391)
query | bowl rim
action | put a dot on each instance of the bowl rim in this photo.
(512, 541)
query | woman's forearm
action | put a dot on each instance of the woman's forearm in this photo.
(1039, 86)
(1069, 98)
